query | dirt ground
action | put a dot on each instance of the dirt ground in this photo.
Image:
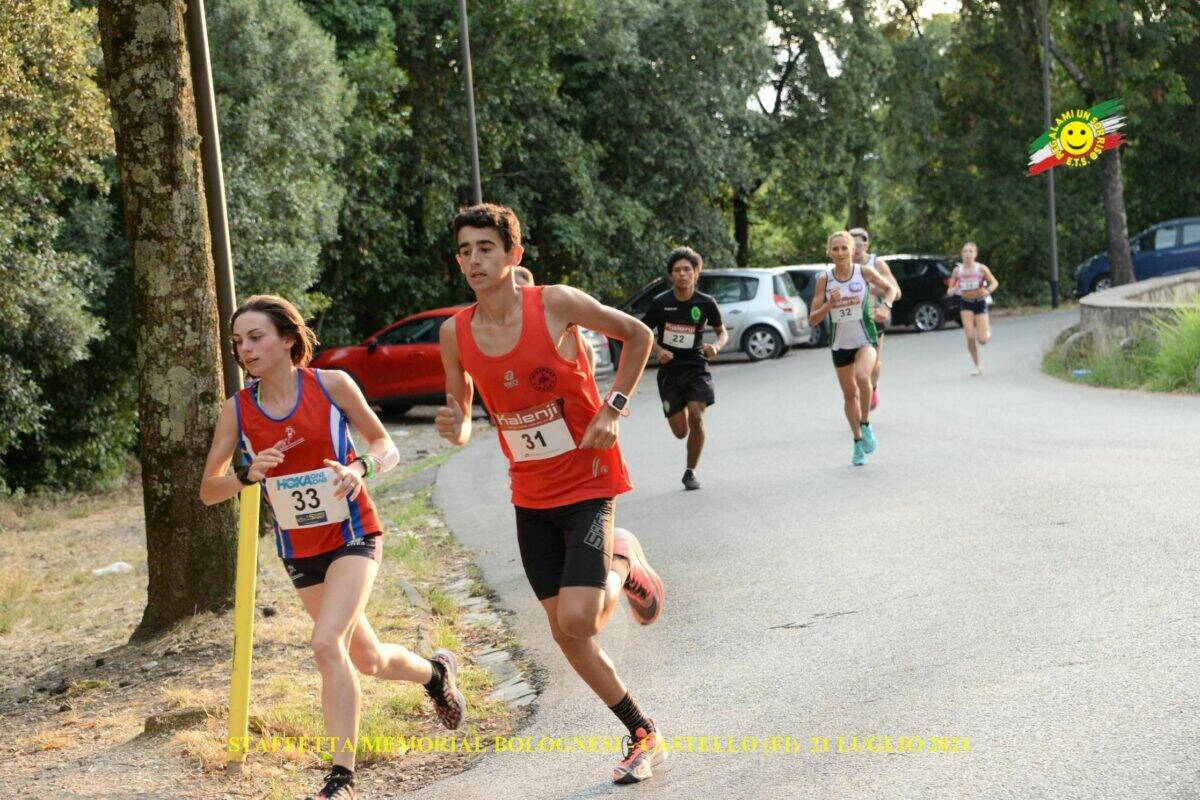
(75, 695)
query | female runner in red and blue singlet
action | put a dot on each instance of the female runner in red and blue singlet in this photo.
(290, 431)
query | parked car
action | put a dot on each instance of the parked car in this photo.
(923, 282)
(401, 366)
(761, 309)
(1163, 249)
(923, 303)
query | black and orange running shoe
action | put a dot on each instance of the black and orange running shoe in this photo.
(338, 786)
(449, 702)
(643, 752)
(643, 588)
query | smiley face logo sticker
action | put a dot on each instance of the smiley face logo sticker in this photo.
(1078, 137)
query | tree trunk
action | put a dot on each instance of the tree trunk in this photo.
(1120, 262)
(741, 225)
(191, 549)
(859, 212)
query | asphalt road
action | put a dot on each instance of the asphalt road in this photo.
(1015, 567)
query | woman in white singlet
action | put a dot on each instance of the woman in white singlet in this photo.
(843, 294)
(975, 283)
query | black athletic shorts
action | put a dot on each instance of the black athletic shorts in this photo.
(566, 546)
(976, 306)
(310, 570)
(844, 358)
(678, 386)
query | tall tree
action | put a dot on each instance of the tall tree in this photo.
(191, 548)
(1108, 47)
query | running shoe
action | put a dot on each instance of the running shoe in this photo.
(449, 703)
(643, 588)
(643, 751)
(337, 787)
(860, 454)
(874, 398)
(868, 439)
(689, 481)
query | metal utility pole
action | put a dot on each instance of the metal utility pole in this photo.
(1045, 9)
(477, 190)
(249, 498)
(214, 185)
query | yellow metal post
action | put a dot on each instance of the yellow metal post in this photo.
(243, 628)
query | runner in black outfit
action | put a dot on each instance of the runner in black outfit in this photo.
(677, 318)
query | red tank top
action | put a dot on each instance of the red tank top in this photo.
(314, 430)
(542, 404)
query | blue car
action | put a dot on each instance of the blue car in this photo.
(1162, 249)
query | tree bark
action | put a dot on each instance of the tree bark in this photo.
(741, 225)
(191, 549)
(1120, 261)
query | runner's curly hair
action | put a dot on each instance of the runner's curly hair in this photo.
(490, 215)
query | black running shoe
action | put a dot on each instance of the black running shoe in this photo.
(450, 704)
(689, 481)
(338, 786)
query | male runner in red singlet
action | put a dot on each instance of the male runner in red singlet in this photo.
(521, 347)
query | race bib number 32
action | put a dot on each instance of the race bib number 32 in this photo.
(535, 433)
(848, 313)
(682, 337)
(306, 499)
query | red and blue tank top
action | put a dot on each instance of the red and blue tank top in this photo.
(542, 404)
(308, 521)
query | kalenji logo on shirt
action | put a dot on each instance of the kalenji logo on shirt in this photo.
(510, 380)
(530, 417)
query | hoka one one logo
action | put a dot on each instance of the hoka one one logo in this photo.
(297, 481)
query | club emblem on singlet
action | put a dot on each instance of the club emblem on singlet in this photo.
(290, 439)
(510, 380)
(695, 313)
(856, 287)
(543, 379)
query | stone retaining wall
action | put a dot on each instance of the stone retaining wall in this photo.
(1118, 313)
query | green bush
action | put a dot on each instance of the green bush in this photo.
(1173, 366)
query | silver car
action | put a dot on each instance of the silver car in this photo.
(761, 308)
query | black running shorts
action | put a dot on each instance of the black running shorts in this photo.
(678, 386)
(566, 546)
(310, 570)
(844, 358)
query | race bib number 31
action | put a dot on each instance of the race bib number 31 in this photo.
(535, 433)
(306, 499)
(682, 337)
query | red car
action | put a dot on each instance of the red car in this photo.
(398, 367)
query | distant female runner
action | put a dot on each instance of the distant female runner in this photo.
(975, 283)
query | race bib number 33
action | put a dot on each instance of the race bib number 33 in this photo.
(535, 433)
(305, 499)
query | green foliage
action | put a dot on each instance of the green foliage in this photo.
(1175, 363)
(281, 103)
(53, 135)
(1164, 359)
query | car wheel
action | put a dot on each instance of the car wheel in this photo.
(1101, 282)
(818, 335)
(762, 342)
(928, 316)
